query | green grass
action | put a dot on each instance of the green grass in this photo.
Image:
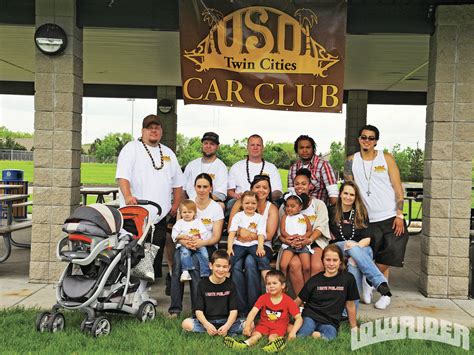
(165, 336)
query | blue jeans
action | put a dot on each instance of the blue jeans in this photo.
(241, 252)
(327, 331)
(187, 262)
(235, 328)
(365, 265)
(246, 277)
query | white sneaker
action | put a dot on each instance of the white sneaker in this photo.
(366, 295)
(383, 302)
(185, 276)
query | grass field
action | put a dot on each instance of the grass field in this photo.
(165, 336)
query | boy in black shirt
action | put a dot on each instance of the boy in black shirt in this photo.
(216, 301)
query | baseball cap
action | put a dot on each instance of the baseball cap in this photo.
(150, 119)
(210, 136)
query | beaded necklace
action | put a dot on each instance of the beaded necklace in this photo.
(248, 172)
(162, 163)
(351, 219)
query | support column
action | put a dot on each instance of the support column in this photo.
(169, 120)
(57, 139)
(356, 117)
(448, 155)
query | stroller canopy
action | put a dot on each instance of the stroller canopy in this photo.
(107, 218)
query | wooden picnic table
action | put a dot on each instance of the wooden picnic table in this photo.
(100, 192)
(6, 186)
(6, 230)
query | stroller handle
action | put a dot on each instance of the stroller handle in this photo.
(148, 202)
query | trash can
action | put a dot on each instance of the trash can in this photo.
(15, 177)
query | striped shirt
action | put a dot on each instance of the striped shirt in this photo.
(322, 176)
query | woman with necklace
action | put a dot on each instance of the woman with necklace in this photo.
(245, 274)
(211, 215)
(348, 225)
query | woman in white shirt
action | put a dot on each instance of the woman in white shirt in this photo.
(212, 216)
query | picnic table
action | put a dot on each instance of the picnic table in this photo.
(7, 229)
(100, 192)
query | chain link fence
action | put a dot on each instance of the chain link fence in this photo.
(11, 154)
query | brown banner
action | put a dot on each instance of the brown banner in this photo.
(276, 55)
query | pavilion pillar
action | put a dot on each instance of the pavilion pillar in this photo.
(356, 117)
(448, 155)
(57, 139)
(169, 120)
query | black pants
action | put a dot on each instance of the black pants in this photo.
(159, 238)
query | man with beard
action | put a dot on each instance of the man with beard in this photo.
(378, 178)
(148, 170)
(210, 164)
(323, 181)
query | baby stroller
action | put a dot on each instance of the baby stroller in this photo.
(100, 256)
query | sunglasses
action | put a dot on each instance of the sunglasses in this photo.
(365, 138)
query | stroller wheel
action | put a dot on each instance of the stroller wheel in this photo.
(42, 321)
(56, 322)
(100, 327)
(146, 311)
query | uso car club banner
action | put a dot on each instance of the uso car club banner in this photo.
(279, 54)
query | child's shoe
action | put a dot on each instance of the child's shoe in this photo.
(234, 344)
(185, 276)
(275, 346)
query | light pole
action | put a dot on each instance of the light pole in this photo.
(133, 102)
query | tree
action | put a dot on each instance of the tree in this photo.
(5, 133)
(416, 161)
(9, 143)
(337, 157)
(107, 149)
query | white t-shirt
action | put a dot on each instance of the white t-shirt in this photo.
(218, 172)
(238, 175)
(317, 213)
(255, 224)
(147, 183)
(209, 215)
(194, 229)
(296, 225)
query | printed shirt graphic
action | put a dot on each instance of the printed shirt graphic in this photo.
(276, 315)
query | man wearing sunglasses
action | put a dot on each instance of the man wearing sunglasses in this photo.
(378, 178)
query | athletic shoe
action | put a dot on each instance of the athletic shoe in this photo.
(185, 276)
(383, 302)
(168, 285)
(366, 295)
(275, 346)
(234, 344)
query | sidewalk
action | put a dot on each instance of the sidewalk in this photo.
(15, 290)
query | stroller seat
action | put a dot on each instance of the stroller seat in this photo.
(77, 286)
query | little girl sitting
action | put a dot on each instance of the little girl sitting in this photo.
(295, 225)
(189, 227)
(251, 223)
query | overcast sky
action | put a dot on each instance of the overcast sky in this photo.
(397, 124)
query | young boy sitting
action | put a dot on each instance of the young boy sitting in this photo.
(216, 301)
(275, 308)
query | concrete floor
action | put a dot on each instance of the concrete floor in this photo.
(15, 290)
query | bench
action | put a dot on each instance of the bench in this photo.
(23, 204)
(7, 230)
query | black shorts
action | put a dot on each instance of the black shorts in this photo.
(388, 248)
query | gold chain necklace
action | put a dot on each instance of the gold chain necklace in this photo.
(162, 163)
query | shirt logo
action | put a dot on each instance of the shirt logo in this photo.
(380, 169)
(252, 225)
(312, 217)
(213, 176)
(273, 315)
(206, 221)
(330, 288)
(195, 232)
(166, 158)
(301, 220)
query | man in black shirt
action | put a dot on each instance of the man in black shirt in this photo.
(216, 301)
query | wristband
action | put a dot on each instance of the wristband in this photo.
(401, 216)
